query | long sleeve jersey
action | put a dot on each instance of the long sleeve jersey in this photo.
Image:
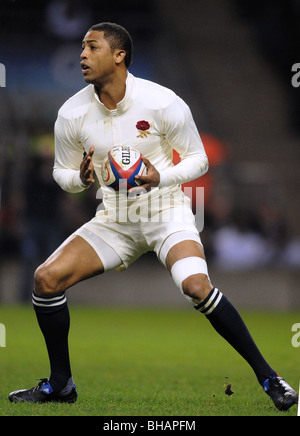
(150, 118)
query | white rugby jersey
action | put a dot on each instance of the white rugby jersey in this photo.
(150, 118)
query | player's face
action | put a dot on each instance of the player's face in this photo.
(98, 61)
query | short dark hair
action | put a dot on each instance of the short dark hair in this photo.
(118, 37)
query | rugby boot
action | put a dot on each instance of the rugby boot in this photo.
(43, 393)
(281, 393)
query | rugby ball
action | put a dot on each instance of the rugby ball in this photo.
(120, 166)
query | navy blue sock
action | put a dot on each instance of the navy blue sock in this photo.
(54, 321)
(228, 323)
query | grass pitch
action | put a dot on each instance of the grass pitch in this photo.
(147, 362)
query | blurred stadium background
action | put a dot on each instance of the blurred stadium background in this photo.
(231, 62)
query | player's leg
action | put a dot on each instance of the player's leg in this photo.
(212, 303)
(75, 260)
(187, 265)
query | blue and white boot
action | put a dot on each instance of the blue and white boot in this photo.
(43, 393)
(281, 393)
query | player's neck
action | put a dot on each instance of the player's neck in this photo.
(113, 91)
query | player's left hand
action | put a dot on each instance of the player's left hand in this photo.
(151, 180)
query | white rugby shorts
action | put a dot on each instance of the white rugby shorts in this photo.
(119, 243)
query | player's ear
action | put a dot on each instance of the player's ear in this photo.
(119, 56)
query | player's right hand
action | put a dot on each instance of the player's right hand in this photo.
(87, 168)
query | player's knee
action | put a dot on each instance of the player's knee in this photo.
(45, 281)
(191, 276)
(196, 286)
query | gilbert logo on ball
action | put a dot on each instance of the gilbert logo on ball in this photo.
(120, 166)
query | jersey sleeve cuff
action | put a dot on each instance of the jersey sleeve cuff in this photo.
(162, 181)
(80, 182)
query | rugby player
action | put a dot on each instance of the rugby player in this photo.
(116, 108)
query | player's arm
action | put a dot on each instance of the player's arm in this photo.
(71, 171)
(178, 127)
(182, 135)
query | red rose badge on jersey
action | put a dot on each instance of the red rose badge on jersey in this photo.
(143, 128)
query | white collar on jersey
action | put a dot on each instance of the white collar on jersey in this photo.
(125, 103)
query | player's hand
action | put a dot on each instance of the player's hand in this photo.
(151, 180)
(87, 168)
